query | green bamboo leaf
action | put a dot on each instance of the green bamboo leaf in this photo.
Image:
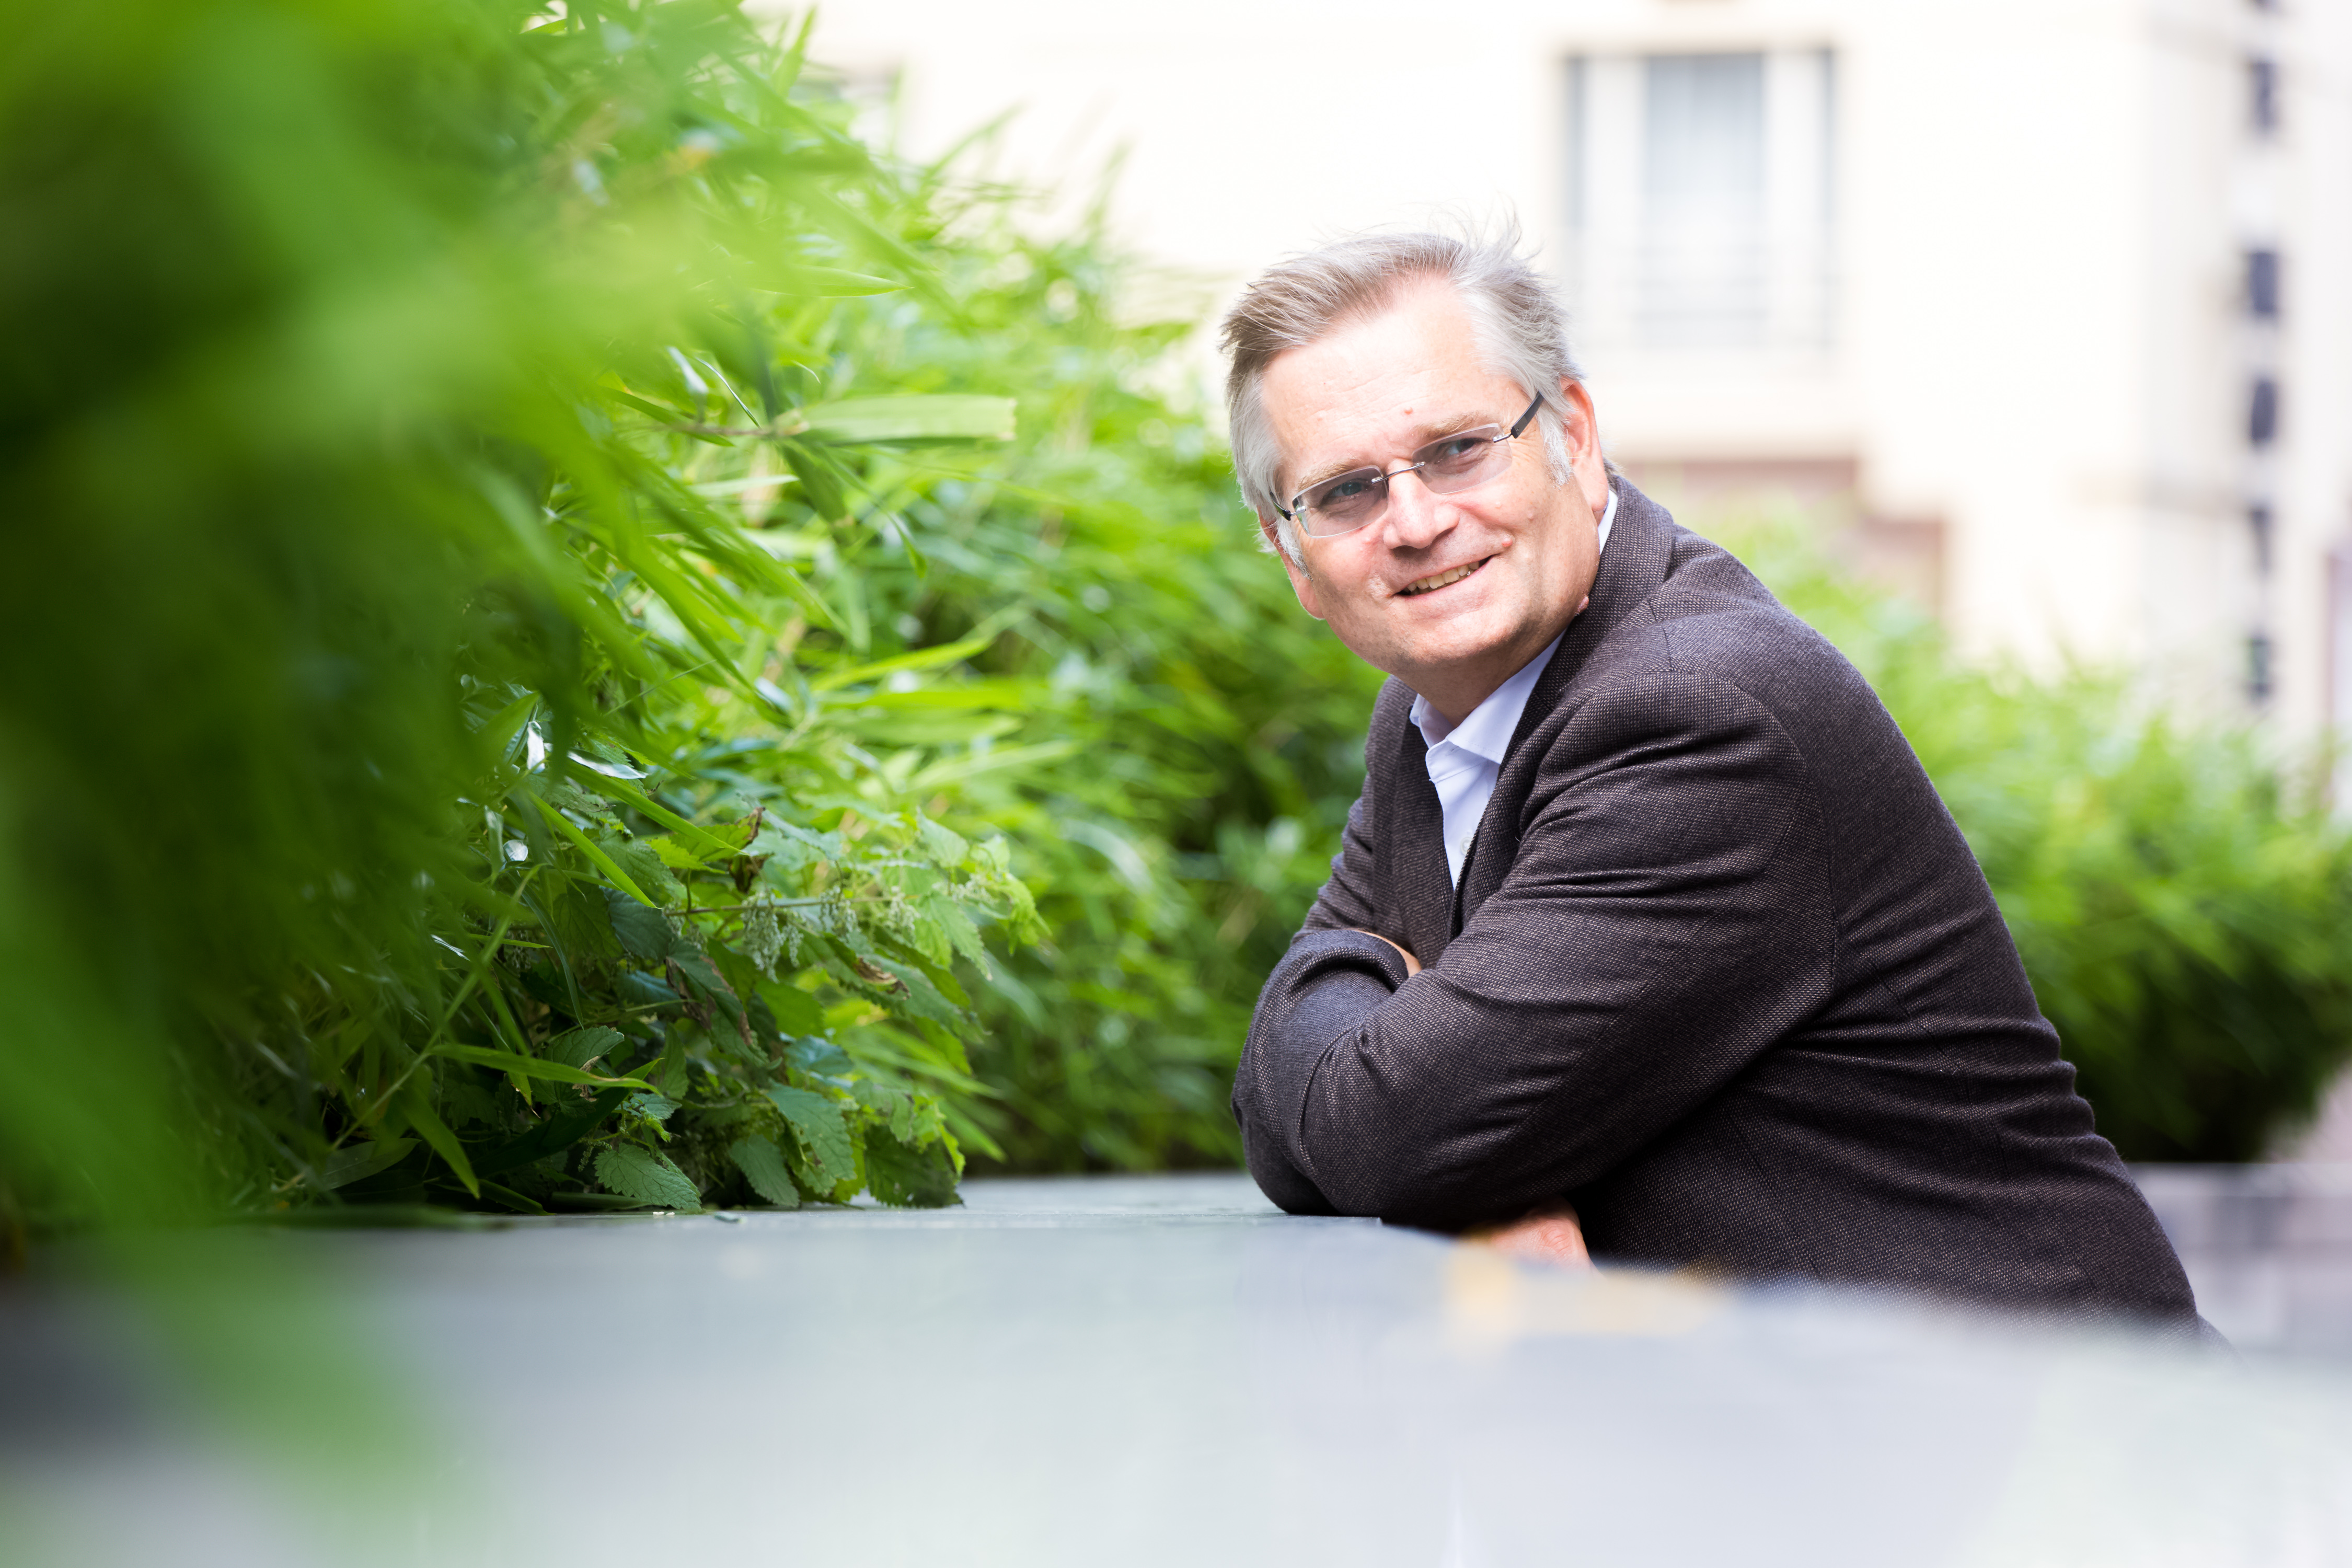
(533, 1067)
(509, 1199)
(830, 283)
(499, 733)
(944, 417)
(596, 857)
(922, 658)
(1018, 696)
(360, 1161)
(710, 843)
(954, 769)
(416, 1101)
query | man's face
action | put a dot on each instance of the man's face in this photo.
(1371, 394)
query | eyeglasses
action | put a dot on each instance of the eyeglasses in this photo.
(1345, 502)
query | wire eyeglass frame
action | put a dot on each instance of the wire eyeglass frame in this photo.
(1302, 508)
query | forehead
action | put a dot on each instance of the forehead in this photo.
(1376, 387)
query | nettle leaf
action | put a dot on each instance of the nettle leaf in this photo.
(642, 990)
(962, 934)
(916, 997)
(906, 1177)
(647, 1176)
(578, 1048)
(703, 981)
(794, 848)
(673, 854)
(669, 1075)
(796, 1011)
(655, 1106)
(645, 867)
(581, 925)
(820, 1131)
(552, 1136)
(922, 934)
(1021, 921)
(645, 932)
(744, 981)
(693, 973)
(819, 1058)
(895, 1107)
(943, 978)
(941, 843)
(762, 1164)
(565, 795)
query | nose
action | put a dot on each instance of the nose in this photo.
(1415, 519)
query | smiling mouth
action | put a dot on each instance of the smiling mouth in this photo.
(1430, 585)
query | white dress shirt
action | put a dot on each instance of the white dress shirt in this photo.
(1466, 759)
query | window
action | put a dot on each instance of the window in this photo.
(2262, 95)
(1698, 198)
(2263, 285)
(1703, 277)
(2263, 412)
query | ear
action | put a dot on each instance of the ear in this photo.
(1583, 432)
(1300, 583)
(1576, 420)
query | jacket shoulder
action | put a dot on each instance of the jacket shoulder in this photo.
(1713, 619)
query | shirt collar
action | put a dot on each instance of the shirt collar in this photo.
(1486, 732)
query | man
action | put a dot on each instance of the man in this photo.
(1647, 917)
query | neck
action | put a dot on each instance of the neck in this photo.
(1457, 690)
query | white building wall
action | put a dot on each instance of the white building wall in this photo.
(2036, 335)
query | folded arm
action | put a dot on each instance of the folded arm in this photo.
(1665, 919)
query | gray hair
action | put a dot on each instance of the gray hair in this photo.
(1521, 329)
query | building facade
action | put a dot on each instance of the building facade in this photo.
(2044, 309)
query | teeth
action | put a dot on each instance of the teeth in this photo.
(1428, 584)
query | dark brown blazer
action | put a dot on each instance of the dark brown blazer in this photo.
(1721, 972)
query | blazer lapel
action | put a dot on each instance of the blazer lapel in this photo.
(1635, 562)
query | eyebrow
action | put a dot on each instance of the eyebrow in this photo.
(1437, 430)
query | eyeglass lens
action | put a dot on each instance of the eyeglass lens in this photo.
(1451, 463)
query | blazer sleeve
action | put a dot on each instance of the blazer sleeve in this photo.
(1348, 905)
(1666, 919)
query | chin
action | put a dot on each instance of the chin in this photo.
(1480, 636)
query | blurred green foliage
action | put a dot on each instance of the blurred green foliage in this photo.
(2182, 902)
(436, 510)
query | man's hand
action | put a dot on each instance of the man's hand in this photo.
(1548, 1236)
(1412, 964)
